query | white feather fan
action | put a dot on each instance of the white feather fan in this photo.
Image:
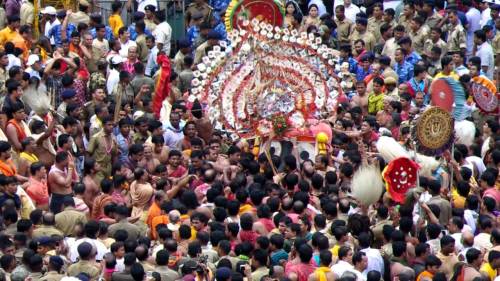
(367, 185)
(390, 149)
(465, 132)
(37, 98)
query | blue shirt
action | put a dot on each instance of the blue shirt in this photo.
(221, 29)
(404, 71)
(361, 73)
(56, 32)
(491, 22)
(133, 33)
(353, 64)
(219, 5)
(413, 58)
(123, 145)
(108, 36)
(192, 33)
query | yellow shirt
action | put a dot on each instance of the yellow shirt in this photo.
(8, 35)
(115, 22)
(335, 250)
(453, 75)
(486, 268)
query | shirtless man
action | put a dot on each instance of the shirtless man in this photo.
(151, 161)
(474, 259)
(160, 150)
(90, 170)
(60, 180)
(361, 98)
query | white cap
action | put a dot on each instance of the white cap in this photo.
(49, 10)
(117, 59)
(32, 59)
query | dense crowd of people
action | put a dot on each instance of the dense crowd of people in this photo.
(95, 186)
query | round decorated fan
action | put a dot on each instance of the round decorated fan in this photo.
(448, 94)
(485, 94)
(266, 80)
(434, 131)
(270, 11)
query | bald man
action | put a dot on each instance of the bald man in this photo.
(48, 227)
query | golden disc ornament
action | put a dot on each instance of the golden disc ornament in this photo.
(434, 131)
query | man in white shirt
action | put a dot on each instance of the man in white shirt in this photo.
(484, 7)
(50, 12)
(360, 261)
(375, 260)
(114, 73)
(34, 66)
(473, 18)
(351, 10)
(91, 229)
(125, 42)
(163, 34)
(344, 262)
(485, 52)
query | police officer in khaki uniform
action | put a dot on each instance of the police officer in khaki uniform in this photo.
(418, 33)
(67, 219)
(149, 19)
(407, 15)
(382, 219)
(55, 266)
(457, 38)
(47, 228)
(433, 18)
(82, 15)
(344, 25)
(376, 21)
(360, 32)
(198, 6)
(85, 264)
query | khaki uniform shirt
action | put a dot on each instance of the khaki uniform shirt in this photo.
(150, 25)
(378, 228)
(374, 27)
(404, 21)
(389, 72)
(178, 61)
(204, 9)
(456, 38)
(259, 273)
(428, 45)
(35, 276)
(84, 266)
(133, 230)
(79, 17)
(52, 276)
(142, 48)
(200, 52)
(98, 149)
(46, 230)
(418, 38)
(344, 29)
(166, 273)
(67, 219)
(496, 44)
(366, 36)
(27, 13)
(433, 20)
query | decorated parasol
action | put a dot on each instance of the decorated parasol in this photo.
(267, 79)
(485, 94)
(448, 94)
(270, 11)
(400, 175)
(434, 131)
